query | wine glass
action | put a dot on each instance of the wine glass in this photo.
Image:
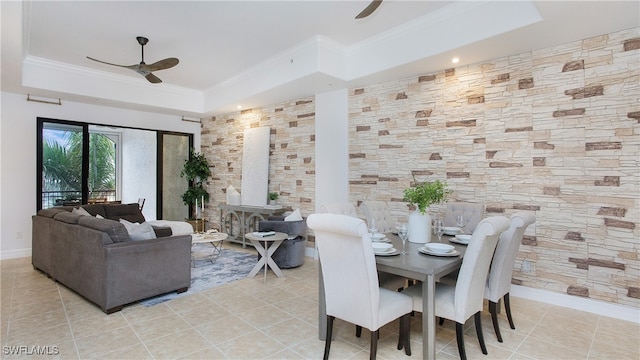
(439, 229)
(434, 222)
(460, 221)
(372, 227)
(402, 233)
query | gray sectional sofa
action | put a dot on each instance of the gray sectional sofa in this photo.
(96, 257)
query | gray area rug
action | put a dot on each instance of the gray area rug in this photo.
(230, 266)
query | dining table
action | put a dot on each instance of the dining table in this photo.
(414, 266)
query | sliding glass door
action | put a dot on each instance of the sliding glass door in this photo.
(80, 163)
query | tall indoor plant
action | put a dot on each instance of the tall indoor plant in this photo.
(196, 170)
(423, 195)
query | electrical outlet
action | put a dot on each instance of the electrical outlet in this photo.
(526, 266)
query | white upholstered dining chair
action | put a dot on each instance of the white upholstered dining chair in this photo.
(465, 299)
(504, 258)
(388, 281)
(378, 211)
(350, 280)
(473, 213)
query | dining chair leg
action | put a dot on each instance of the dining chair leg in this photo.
(327, 342)
(374, 344)
(478, 321)
(358, 330)
(507, 308)
(460, 340)
(493, 309)
(404, 338)
(441, 321)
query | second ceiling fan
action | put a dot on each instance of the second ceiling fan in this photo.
(142, 68)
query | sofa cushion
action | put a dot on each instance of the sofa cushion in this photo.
(114, 229)
(80, 211)
(51, 212)
(138, 231)
(95, 209)
(67, 217)
(162, 231)
(129, 212)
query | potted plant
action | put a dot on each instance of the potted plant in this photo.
(423, 195)
(196, 170)
(273, 196)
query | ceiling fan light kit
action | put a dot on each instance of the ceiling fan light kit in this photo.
(142, 68)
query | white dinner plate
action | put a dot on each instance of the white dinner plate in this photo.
(378, 237)
(451, 230)
(449, 254)
(388, 252)
(459, 241)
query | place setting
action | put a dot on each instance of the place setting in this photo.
(438, 249)
(384, 249)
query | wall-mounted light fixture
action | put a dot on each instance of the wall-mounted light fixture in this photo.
(29, 98)
(195, 120)
(455, 60)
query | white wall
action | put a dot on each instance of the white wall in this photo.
(18, 156)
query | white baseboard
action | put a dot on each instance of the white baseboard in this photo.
(584, 304)
(14, 254)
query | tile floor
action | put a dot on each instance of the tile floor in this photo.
(248, 319)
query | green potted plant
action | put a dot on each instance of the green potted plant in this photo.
(423, 195)
(196, 169)
(273, 196)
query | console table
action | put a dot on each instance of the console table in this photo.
(246, 217)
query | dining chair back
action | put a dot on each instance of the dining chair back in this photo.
(350, 280)
(499, 281)
(343, 208)
(387, 280)
(465, 299)
(473, 213)
(378, 211)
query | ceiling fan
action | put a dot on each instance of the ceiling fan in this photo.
(369, 9)
(144, 69)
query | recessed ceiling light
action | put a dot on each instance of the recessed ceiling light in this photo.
(239, 107)
(455, 60)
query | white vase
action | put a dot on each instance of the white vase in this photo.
(419, 227)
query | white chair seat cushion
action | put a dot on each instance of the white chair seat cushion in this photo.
(392, 306)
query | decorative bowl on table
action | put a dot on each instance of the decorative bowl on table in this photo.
(438, 248)
(382, 248)
(451, 230)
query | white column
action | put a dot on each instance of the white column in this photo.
(332, 147)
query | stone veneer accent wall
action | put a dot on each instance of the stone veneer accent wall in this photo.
(291, 165)
(554, 131)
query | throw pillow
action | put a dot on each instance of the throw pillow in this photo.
(99, 216)
(294, 216)
(137, 231)
(80, 211)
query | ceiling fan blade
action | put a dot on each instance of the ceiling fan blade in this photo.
(132, 67)
(369, 9)
(161, 65)
(153, 79)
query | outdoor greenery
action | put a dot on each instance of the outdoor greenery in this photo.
(427, 193)
(196, 170)
(62, 163)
